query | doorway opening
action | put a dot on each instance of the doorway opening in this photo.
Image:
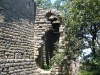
(51, 37)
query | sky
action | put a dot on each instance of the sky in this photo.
(53, 1)
(87, 51)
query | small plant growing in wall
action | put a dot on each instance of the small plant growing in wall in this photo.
(46, 67)
(58, 56)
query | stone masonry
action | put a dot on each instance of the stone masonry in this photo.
(23, 34)
(16, 37)
(43, 24)
(40, 27)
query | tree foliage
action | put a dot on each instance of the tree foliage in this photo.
(46, 4)
(86, 14)
(82, 17)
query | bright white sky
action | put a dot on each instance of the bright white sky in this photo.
(53, 1)
(87, 51)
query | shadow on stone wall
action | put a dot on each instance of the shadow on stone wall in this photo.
(15, 10)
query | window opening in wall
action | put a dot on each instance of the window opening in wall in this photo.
(50, 38)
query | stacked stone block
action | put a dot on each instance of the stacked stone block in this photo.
(17, 67)
(16, 38)
(14, 44)
(41, 26)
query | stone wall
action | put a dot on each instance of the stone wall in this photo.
(46, 33)
(41, 26)
(22, 37)
(18, 67)
(14, 10)
(16, 37)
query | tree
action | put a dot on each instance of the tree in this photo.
(39, 3)
(59, 5)
(84, 15)
(46, 4)
(72, 43)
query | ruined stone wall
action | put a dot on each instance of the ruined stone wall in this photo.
(41, 26)
(16, 37)
(22, 38)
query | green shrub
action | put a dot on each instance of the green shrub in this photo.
(46, 67)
